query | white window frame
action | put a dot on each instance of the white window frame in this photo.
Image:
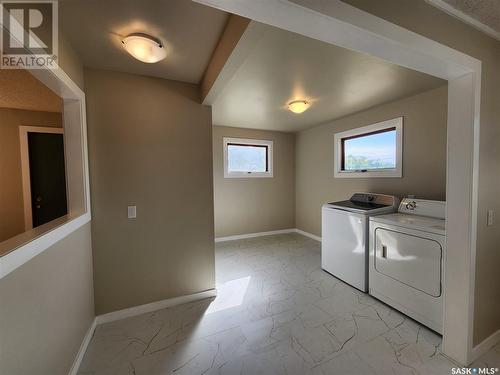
(250, 142)
(397, 172)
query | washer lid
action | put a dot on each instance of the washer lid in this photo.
(367, 203)
(365, 206)
(423, 223)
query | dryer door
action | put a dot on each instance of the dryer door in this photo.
(411, 260)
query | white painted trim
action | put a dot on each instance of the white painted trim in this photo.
(461, 215)
(307, 234)
(130, 312)
(343, 25)
(62, 227)
(474, 204)
(154, 306)
(252, 235)
(25, 167)
(445, 7)
(20, 249)
(268, 233)
(250, 142)
(485, 345)
(373, 173)
(83, 348)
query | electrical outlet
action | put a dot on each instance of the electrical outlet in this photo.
(489, 220)
(131, 212)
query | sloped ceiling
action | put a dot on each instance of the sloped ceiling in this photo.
(280, 66)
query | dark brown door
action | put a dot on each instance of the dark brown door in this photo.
(47, 177)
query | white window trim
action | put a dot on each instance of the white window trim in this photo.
(244, 141)
(389, 173)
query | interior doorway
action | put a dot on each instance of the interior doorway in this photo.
(43, 172)
(345, 26)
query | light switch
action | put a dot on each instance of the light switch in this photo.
(132, 212)
(489, 220)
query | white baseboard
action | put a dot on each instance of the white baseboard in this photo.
(252, 235)
(269, 233)
(133, 311)
(307, 234)
(83, 348)
(484, 346)
(138, 310)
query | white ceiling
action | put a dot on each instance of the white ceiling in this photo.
(280, 66)
(190, 32)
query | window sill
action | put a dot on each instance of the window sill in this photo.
(20, 249)
(369, 174)
(249, 175)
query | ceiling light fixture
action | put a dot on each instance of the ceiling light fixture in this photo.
(299, 106)
(144, 48)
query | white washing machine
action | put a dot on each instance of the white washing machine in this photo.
(344, 245)
(406, 265)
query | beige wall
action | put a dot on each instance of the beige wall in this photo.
(46, 305)
(424, 19)
(69, 61)
(150, 145)
(46, 308)
(11, 188)
(424, 157)
(250, 205)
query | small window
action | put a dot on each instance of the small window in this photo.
(247, 158)
(370, 151)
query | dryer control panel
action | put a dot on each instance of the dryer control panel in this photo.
(422, 207)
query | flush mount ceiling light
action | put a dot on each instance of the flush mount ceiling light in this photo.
(144, 48)
(299, 106)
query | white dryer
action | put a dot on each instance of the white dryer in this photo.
(406, 265)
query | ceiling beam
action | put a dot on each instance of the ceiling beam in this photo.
(230, 37)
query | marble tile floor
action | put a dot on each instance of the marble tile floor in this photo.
(276, 312)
